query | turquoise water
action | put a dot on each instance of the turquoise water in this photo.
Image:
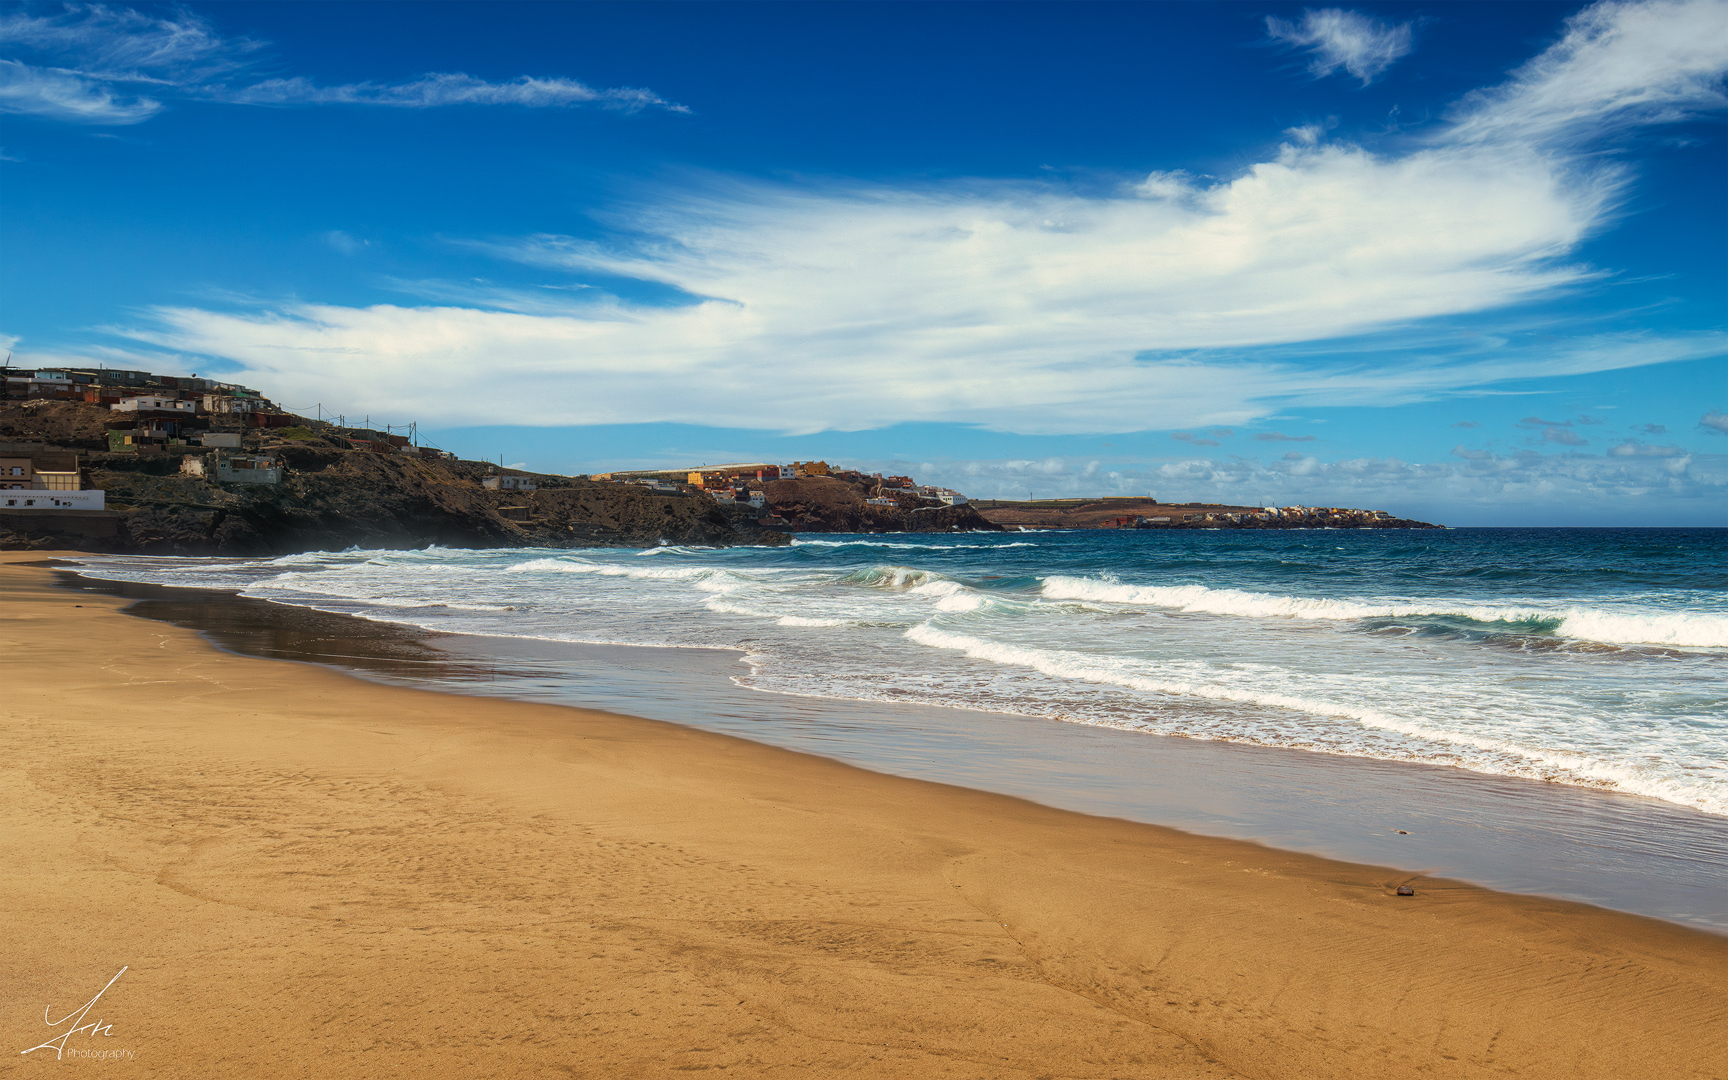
(1592, 658)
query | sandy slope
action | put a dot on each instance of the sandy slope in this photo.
(311, 876)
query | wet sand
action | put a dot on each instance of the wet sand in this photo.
(308, 874)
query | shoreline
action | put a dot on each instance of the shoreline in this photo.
(1511, 834)
(307, 874)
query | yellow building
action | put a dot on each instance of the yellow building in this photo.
(811, 468)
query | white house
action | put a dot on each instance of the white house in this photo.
(90, 499)
(154, 404)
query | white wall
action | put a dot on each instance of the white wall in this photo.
(53, 500)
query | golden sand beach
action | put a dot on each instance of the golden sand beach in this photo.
(304, 874)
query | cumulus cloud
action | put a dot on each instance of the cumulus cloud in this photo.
(1714, 422)
(107, 65)
(1189, 437)
(1021, 307)
(1336, 38)
(1538, 422)
(1279, 436)
(1563, 437)
(1651, 429)
(1467, 424)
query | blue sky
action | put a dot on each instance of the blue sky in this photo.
(1464, 262)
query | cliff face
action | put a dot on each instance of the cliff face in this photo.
(827, 504)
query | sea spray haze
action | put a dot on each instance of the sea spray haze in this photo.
(1584, 657)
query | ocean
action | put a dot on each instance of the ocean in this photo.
(1593, 660)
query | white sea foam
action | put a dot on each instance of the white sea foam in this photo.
(950, 595)
(1692, 630)
(1469, 750)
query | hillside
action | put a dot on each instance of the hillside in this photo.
(333, 497)
(831, 504)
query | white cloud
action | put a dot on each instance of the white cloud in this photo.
(1715, 422)
(128, 46)
(63, 95)
(431, 91)
(342, 242)
(1020, 307)
(96, 58)
(1634, 448)
(1616, 65)
(1362, 46)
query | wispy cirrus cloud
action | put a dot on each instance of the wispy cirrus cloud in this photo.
(431, 91)
(1618, 64)
(66, 95)
(1334, 38)
(97, 64)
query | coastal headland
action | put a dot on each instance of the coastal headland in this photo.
(302, 874)
(1128, 512)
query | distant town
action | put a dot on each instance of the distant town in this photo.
(166, 445)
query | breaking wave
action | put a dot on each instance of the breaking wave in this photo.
(1682, 629)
